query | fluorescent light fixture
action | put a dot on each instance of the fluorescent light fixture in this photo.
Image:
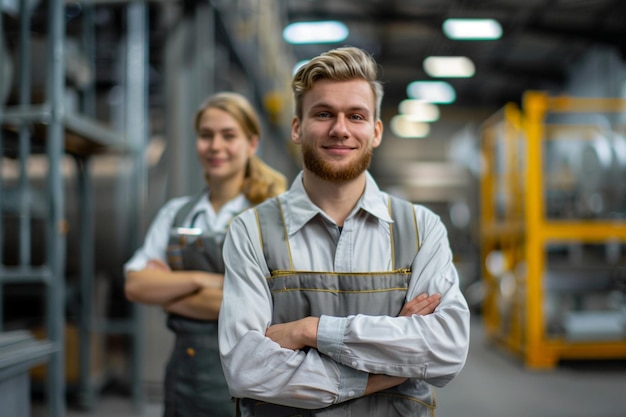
(431, 91)
(472, 29)
(419, 110)
(402, 126)
(449, 66)
(315, 32)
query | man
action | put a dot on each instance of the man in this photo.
(326, 308)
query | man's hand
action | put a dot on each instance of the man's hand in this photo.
(302, 333)
(421, 305)
(295, 334)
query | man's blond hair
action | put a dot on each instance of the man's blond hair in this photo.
(341, 64)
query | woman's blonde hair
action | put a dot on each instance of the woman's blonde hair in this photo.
(261, 181)
(341, 64)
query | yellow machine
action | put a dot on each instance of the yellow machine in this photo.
(553, 228)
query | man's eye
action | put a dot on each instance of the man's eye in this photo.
(323, 114)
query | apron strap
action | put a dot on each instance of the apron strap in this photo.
(184, 211)
(404, 225)
(272, 230)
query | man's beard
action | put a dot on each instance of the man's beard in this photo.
(326, 171)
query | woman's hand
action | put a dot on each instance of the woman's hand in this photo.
(157, 264)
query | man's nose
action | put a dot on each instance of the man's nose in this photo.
(339, 128)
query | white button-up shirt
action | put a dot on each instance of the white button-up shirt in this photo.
(157, 237)
(432, 348)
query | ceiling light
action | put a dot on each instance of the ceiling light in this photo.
(431, 91)
(449, 66)
(472, 29)
(315, 32)
(404, 127)
(419, 110)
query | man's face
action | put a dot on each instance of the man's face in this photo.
(338, 131)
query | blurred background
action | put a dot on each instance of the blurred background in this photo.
(506, 117)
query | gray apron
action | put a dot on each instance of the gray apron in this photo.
(194, 382)
(295, 295)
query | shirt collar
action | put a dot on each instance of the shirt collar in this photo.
(238, 203)
(229, 210)
(299, 209)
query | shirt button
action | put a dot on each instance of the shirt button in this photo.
(351, 393)
(353, 363)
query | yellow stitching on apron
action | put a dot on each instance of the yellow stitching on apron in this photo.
(282, 216)
(393, 247)
(403, 289)
(417, 232)
(258, 225)
(282, 273)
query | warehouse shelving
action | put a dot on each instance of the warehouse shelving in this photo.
(518, 235)
(51, 130)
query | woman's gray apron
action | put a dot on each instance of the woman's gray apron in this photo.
(194, 381)
(295, 296)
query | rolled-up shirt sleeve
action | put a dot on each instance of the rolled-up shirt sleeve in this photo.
(155, 242)
(254, 365)
(432, 347)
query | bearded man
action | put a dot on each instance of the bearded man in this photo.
(339, 299)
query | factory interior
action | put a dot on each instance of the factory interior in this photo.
(521, 151)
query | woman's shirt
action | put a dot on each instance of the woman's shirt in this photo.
(202, 216)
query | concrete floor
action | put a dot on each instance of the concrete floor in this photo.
(493, 384)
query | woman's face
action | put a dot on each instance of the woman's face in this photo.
(222, 146)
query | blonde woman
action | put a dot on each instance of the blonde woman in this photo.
(180, 266)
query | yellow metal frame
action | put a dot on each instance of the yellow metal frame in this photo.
(520, 230)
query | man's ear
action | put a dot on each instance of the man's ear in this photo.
(295, 130)
(378, 133)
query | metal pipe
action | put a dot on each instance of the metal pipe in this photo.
(24, 147)
(86, 390)
(56, 230)
(136, 134)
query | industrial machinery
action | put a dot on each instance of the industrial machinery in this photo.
(553, 228)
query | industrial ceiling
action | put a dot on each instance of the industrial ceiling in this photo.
(541, 39)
